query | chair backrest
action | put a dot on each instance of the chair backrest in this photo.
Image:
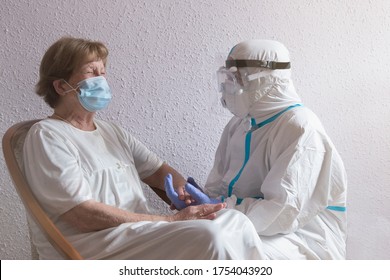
(13, 141)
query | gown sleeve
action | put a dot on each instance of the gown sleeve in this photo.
(303, 173)
(295, 189)
(146, 162)
(213, 185)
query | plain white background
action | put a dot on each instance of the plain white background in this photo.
(162, 58)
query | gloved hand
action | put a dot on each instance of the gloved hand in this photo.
(172, 194)
(198, 195)
(192, 182)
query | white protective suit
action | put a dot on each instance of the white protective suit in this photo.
(279, 167)
(66, 166)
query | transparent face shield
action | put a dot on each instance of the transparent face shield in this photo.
(232, 83)
(214, 97)
(223, 80)
(230, 88)
(236, 72)
(235, 78)
(229, 77)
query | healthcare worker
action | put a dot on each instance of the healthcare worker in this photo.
(275, 162)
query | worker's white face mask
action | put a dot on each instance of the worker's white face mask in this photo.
(235, 99)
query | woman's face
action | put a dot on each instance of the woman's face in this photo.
(87, 70)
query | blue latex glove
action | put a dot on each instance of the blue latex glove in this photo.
(192, 182)
(198, 195)
(172, 194)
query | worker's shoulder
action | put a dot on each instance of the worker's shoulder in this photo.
(300, 116)
(300, 120)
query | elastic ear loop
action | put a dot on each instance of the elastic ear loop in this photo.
(72, 89)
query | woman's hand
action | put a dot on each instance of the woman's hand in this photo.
(204, 211)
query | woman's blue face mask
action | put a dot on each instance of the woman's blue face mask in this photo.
(95, 93)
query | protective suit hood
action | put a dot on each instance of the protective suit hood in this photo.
(274, 89)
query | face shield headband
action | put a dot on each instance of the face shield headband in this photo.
(272, 65)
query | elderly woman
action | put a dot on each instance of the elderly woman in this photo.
(87, 175)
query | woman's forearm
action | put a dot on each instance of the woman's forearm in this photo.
(92, 216)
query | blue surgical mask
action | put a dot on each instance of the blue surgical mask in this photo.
(95, 94)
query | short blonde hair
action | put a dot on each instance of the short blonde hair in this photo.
(61, 60)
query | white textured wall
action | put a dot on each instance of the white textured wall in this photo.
(160, 68)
